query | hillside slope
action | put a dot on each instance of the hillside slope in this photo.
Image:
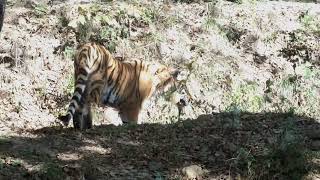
(249, 84)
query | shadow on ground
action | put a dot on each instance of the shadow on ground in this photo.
(226, 145)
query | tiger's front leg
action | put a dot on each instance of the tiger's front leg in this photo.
(130, 115)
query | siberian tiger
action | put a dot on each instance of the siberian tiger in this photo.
(101, 79)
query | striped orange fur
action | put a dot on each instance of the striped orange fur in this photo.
(101, 79)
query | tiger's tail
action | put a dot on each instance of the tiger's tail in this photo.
(89, 60)
(77, 100)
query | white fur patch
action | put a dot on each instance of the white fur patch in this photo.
(83, 77)
(77, 94)
(81, 86)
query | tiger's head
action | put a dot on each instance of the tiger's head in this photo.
(163, 77)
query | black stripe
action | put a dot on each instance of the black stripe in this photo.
(80, 81)
(89, 51)
(121, 84)
(110, 76)
(135, 66)
(102, 62)
(97, 69)
(78, 90)
(105, 56)
(104, 53)
(72, 105)
(76, 99)
(138, 79)
(82, 54)
(115, 84)
(96, 85)
(108, 67)
(98, 58)
(108, 96)
(87, 54)
(98, 82)
(83, 72)
(119, 76)
(134, 75)
(94, 94)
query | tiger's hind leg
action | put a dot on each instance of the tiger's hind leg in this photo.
(83, 120)
(88, 118)
(77, 120)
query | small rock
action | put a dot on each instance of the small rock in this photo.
(183, 75)
(194, 87)
(175, 97)
(22, 22)
(193, 172)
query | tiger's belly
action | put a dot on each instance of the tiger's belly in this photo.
(109, 97)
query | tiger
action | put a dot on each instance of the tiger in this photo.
(109, 82)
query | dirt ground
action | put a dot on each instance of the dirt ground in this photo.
(155, 151)
(249, 83)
